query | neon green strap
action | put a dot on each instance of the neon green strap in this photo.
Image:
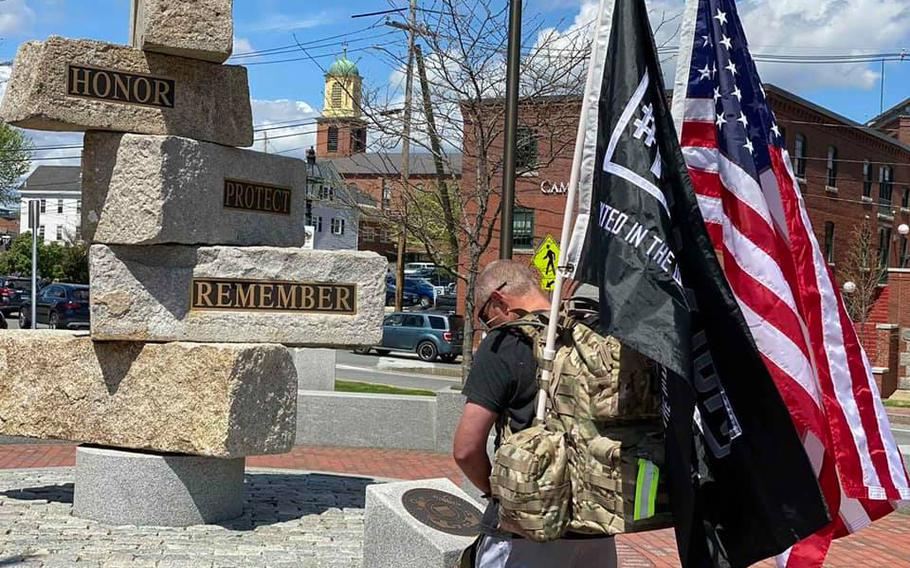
(645, 489)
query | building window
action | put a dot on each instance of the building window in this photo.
(44, 205)
(327, 193)
(358, 140)
(41, 229)
(60, 206)
(867, 179)
(832, 166)
(78, 207)
(885, 177)
(368, 234)
(884, 246)
(78, 234)
(337, 226)
(318, 223)
(59, 233)
(332, 144)
(829, 242)
(386, 195)
(905, 200)
(308, 216)
(337, 95)
(523, 228)
(903, 257)
(526, 150)
(800, 149)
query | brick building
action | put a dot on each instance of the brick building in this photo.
(9, 226)
(341, 138)
(848, 173)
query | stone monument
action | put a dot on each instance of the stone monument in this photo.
(199, 279)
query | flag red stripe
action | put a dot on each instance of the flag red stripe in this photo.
(844, 445)
(700, 134)
(806, 414)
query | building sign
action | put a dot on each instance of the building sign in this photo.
(251, 196)
(548, 187)
(118, 86)
(257, 295)
(546, 260)
(310, 232)
(442, 511)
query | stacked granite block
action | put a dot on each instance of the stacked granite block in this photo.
(197, 273)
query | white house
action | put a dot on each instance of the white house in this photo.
(59, 191)
(329, 207)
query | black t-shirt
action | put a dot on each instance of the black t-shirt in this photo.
(503, 379)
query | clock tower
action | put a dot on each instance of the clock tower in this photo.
(341, 131)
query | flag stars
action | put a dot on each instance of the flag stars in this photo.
(748, 146)
(726, 42)
(720, 120)
(717, 95)
(731, 67)
(721, 17)
(737, 93)
(707, 72)
(707, 41)
(742, 118)
(775, 129)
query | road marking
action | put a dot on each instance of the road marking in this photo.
(374, 371)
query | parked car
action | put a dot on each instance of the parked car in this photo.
(13, 291)
(60, 306)
(420, 288)
(412, 267)
(408, 299)
(2, 321)
(441, 278)
(431, 335)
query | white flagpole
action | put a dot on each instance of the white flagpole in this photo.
(569, 217)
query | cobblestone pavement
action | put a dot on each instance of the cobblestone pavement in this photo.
(330, 535)
(303, 520)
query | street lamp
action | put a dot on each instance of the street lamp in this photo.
(849, 287)
(903, 229)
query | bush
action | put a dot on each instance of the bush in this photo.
(55, 261)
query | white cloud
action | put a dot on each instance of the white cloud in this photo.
(817, 27)
(15, 17)
(242, 45)
(292, 126)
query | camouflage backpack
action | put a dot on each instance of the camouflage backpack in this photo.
(593, 465)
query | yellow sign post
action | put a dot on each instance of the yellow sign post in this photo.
(546, 259)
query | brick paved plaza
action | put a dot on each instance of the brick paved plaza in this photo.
(304, 509)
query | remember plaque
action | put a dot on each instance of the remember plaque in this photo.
(251, 196)
(442, 511)
(117, 86)
(270, 296)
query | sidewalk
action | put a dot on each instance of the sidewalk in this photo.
(885, 544)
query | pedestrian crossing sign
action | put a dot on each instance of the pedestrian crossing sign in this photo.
(545, 260)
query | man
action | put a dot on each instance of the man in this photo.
(502, 386)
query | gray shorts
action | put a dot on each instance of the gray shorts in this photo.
(495, 552)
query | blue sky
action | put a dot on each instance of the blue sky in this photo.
(291, 90)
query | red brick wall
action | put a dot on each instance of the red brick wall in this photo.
(844, 207)
(9, 226)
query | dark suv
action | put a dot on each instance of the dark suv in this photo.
(60, 306)
(13, 291)
(428, 334)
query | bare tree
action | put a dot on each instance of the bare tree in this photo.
(453, 218)
(866, 270)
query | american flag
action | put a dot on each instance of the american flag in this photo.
(756, 216)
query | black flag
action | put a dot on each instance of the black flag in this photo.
(741, 484)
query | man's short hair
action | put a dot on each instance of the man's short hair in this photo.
(519, 279)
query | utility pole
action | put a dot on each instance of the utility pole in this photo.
(265, 143)
(436, 148)
(508, 153)
(34, 220)
(405, 157)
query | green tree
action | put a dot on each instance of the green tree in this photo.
(15, 150)
(55, 261)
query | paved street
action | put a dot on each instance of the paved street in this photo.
(388, 370)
